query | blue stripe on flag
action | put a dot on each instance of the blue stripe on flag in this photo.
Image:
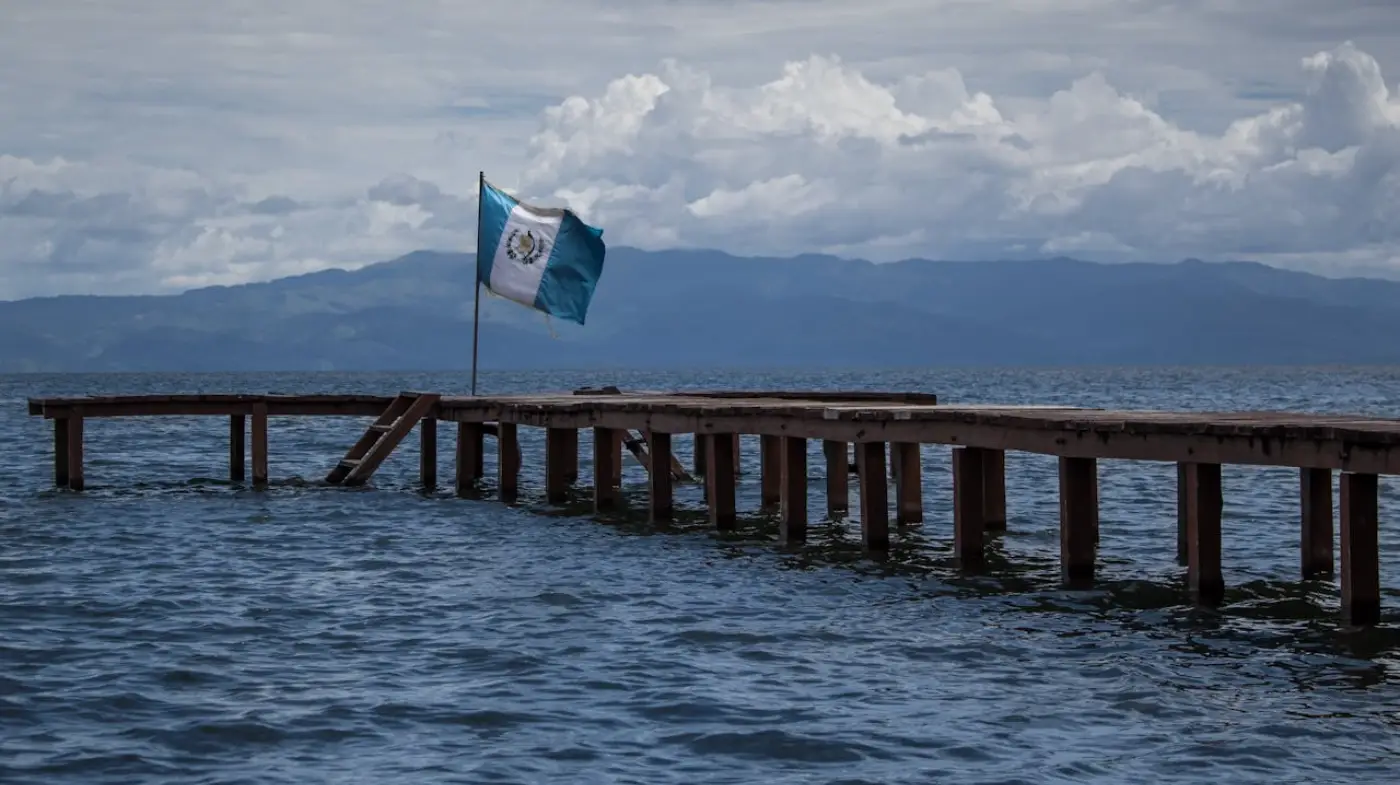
(495, 209)
(574, 267)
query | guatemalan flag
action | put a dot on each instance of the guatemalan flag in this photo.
(544, 258)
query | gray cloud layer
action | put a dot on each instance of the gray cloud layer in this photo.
(151, 147)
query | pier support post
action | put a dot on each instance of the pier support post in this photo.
(605, 458)
(560, 460)
(74, 452)
(568, 445)
(1079, 519)
(427, 460)
(909, 482)
(793, 524)
(259, 445)
(237, 447)
(969, 514)
(874, 496)
(770, 470)
(508, 461)
(661, 503)
(700, 461)
(1361, 587)
(1316, 539)
(720, 479)
(1183, 514)
(60, 452)
(738, 454)
(469, 454)
(994, 489)
(619, 443)
(838, 481)
(1204, 504)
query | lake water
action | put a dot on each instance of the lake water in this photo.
(168, 627)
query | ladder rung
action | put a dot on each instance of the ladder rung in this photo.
(382, 428)
(350, 463)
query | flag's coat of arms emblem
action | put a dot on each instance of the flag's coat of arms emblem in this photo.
(525, 247)
(544, 258)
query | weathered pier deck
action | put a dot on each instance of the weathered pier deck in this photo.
(886, 431)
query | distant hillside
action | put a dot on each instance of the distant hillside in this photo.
(704, 308)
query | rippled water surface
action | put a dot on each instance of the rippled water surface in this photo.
(166, 626)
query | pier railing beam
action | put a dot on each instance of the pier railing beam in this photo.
(770, 458)
(469, 454)
(60, 452)
(428, 453)
(662, 504)
(969, 522)
(508, 461)
(237, 447)
(1204, 504)
(838, 481)
(1316, 539)
(560, 460)
(874, 496)
(1079, 519)
(909, 482)
(720, 480)
(793, 524)
(1361, 589)
(605, 458)
(994, 489)
(259, 445)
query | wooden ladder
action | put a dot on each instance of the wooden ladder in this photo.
(380, 439)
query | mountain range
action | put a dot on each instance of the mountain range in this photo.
(699, 308)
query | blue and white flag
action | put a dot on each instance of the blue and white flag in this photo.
(544, 258)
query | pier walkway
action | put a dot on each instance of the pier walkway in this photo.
(873, 435)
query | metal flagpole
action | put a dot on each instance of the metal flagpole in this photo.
(476, 307)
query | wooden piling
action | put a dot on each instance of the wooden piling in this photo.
(792, 526)
(874, 496)
(469, 453)
(909, 482)
(700, 461)
(76, 482)
(1204, 504)
(60, 451)
(969, 522)
(770, 470)
(994, 489)
(838, 493)
(1183, 513)
(428, 453)
(606, 494)
(560, 459)
(568, 445)
(661, 502)
(720, 480)
(1316, 539)
(1079, 519)
(1361, 584)
(237, 447)
(619, 439)
(259, 445)
(507, 462)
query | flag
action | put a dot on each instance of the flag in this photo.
(544, 258)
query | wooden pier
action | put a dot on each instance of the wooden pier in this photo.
(883, 430)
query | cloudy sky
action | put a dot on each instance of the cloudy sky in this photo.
(152, 146)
